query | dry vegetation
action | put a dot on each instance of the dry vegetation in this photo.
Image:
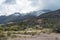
(29, 35)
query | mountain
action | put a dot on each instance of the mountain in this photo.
(20, 17)
(39, 12)
(46, 20)
(52, 14)
(2, 18)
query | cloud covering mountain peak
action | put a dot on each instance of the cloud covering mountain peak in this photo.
(8, 7)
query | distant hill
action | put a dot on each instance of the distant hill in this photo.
(17, 17)
(47, 20)
(52, 14)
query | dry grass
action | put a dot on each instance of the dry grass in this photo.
(42, 36)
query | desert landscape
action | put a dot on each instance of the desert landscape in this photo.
(42, 36)
(29, 19)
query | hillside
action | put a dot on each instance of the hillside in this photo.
(52, 14)
(16, 17)
(48, 20)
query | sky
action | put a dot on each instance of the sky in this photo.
(8, 7)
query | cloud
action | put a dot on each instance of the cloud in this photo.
(23, 6)
(8, 7)
(51, 4)
(10, 2)
(47, 4)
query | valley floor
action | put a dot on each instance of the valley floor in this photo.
(52, 36)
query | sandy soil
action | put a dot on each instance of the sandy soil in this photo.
(52, 36)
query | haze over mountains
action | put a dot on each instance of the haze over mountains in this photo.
(20, 17)
(20, 10)
(17, 17)
(46, 20)
(50, 20)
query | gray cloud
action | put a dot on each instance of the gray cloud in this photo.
(25, 6)
(10, 2)
(51, 4)
(47, 4)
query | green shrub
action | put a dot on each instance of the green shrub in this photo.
(2, 36)
(13, 36)
(47, 31)
(8, 33)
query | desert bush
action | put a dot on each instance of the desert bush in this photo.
(57, 29)
(30, 33)
(47, 31)
(8, 33)
(1, 29)
(13, 36)
(2, 36)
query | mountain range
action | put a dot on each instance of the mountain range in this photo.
(15, 17)
(46, 20)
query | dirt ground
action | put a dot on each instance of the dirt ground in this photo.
(52, 36)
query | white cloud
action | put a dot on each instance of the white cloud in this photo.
(25, 6)
(22, 6)
(1, 1)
